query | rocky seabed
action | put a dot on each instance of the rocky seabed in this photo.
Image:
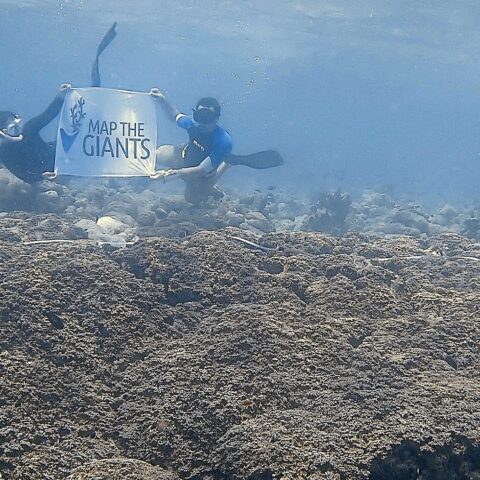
(256, 337)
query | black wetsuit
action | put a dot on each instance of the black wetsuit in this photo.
(216, 144)
(32, 156)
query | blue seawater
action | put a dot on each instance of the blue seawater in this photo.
(356, 95)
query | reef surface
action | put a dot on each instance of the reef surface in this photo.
(299, 355)
(146, 338)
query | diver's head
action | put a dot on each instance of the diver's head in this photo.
(10, 126)
(207, 112)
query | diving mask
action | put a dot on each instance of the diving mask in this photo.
(14, 129)
(203, 114)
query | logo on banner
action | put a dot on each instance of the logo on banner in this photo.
(76, 116)
(104, 138)
(106, 132)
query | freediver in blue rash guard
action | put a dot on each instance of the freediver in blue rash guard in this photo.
(22, 150)
(208, 143)
(200, 162)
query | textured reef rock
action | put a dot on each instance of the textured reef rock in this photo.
(121, 469)
(207, 358)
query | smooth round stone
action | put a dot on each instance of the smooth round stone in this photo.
(235, 219)
(50, 194)
(111, 225)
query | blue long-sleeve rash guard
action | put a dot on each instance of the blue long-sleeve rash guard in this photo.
(216, 144)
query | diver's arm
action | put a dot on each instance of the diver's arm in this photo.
(40, 121)
(5, 136)
(171, 111)
(222, 168)
(204, 170)
(214, 165)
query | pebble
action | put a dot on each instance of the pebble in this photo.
(111, 225)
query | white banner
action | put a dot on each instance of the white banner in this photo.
(105, 132)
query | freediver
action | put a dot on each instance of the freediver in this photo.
(22, 150)
(201, 161)
(207, 155)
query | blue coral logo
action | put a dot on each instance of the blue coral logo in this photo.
(76, 115)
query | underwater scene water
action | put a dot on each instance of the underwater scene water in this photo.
(313, 313)
(375, 94)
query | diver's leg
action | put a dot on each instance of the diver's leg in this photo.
(169, 156)
(198, 189)
(35, 124)
(106, 40)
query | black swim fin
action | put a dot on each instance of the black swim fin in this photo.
(258, 160)
(106, 40)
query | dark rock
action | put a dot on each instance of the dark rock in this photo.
(471, 227)
(329, 213)
(146, 219)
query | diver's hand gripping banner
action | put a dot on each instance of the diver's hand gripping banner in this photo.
(104, 132)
